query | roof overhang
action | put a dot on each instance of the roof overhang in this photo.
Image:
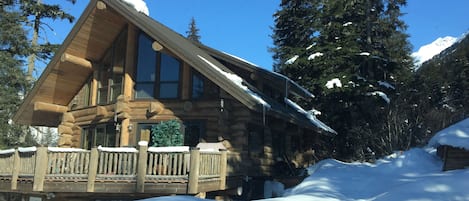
(71, 66)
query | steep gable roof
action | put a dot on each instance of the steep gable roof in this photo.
(201, 58)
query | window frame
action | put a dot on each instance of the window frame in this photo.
(158, 68)
(110, 76)
(89, 135)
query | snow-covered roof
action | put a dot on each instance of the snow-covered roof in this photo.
(456, 135)
(310, 115)
(138, 5)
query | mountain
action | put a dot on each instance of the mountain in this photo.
(426, 52)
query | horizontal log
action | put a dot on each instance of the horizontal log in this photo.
(76, 60)
(49, 107)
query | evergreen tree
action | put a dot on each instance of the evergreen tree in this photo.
(37, 12)
(13, 83)
(193, 32)
(167, 133)
(355, 61)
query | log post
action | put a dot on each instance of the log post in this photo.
(40, 169)
(142, 166)
(193, 185)
(223, 164)
(16, 170)
(92, 169)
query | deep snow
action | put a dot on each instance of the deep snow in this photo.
(405, 175)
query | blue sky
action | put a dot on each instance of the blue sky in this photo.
(243, 27)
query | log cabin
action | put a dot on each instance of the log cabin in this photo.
(117, 74)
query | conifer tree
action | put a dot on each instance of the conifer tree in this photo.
(13, 83)
(193, 32)
(356, 59)
(37, 11)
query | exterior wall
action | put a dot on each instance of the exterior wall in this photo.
(453, 158)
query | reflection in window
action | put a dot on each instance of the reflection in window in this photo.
(103, 134)
(158, 74)
(111, 71)
(146, 68)
(169, 77)
(193, 132)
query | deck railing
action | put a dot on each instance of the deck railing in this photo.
(145, 165)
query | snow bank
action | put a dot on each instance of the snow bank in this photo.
(138, 5)
(457, 135)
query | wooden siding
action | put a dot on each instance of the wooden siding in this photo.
(453, 157)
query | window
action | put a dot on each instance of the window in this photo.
(193, 132)
(111, 71)
(197, 85)
(82, 99)
(103, 134)
(158, 73)
(146, 71)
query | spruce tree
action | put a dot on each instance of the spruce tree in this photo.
(193, 32)
(13, 83)
(361, 50)
(37, 11)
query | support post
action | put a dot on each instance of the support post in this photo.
(92, 169)
(40, 169)
(223, 164)
(193, 185)
(16, 170)
(142, 165)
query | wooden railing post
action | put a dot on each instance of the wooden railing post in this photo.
(193, 184)
(142, 166)
(223, 164)
(40, 169)
(16, 170)
(92, 169)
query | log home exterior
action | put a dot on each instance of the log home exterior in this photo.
(119, 72)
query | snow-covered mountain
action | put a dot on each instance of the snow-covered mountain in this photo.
(426, 52)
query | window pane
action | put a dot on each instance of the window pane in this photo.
(144, 90)
(100, 136)
(102, 95)
(146, 61)
(169, 90)
(169, 68)
(110, 140)
(197, 86)
(194, 130)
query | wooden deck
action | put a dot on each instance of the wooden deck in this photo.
(111, 170)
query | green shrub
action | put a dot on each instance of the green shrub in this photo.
(167, 133)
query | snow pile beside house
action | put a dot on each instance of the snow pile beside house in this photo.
(411, 175)
(456, 135)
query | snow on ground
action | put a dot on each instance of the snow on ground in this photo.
(414, 175)
(456, 135)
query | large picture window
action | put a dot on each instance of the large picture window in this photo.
(158, 74)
